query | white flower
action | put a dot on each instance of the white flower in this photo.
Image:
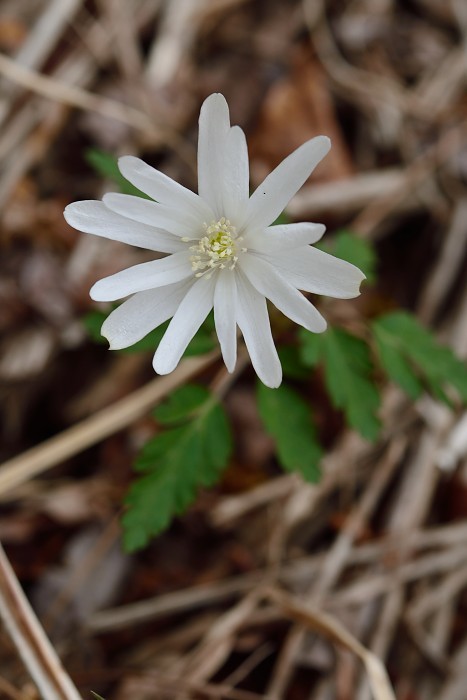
(222, 251)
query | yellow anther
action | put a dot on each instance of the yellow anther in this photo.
(217, 249)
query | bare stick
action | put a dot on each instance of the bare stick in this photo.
(34, 648)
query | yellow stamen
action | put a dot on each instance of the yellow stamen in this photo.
(217, 249)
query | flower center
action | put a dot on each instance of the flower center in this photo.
(217, 249)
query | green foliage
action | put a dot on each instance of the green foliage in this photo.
(348, 376)
(288, 420)
(406, 351)
(413, 358)
(182, 404)
(202, 342)
(356, 250)
(291, 361)
(106, 164)
(311, 348)
(96, 696)
(190, 453)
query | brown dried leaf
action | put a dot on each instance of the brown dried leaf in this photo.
(296, 109)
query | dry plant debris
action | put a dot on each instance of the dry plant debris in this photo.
(267, 588)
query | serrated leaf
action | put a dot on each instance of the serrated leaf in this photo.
(176, 463)
(181, 404)
(155, 449)
(397, 366)
(348, 376)
(288, 420)
(106, 164)
(409, 353)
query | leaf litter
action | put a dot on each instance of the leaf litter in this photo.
(371, 547)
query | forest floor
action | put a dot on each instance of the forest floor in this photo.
(266, 587)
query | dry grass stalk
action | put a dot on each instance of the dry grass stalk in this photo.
(91, 430)
(74, 96)
(315, 619)
(32, 645)
(407, 116)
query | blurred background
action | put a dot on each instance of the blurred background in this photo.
(82, 82)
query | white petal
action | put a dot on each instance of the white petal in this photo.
(285, 297)
(92, 216)
(138, 316)
(314, 271)
(235, 177)
(214, 125)
(162, 188)
(148, 275)
(272, 196)
(179, 223)
(188, 318)
(225, 304)
(284, 237)
(253, 319)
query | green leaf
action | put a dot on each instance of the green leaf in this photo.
(347, 246)
(311, 348)
(397, 365)
(288, 420)
(181, 404)
(348, 376)
(291, 361)
(412, 357)
(95, 695)
(175, 464)
(106, 164)
(156, 448)
(348, 371)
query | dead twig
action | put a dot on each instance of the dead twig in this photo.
(29, 638)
